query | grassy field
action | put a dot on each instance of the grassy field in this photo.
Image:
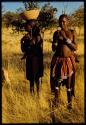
(17, 104)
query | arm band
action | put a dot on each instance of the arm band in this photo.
(54, 43)
(68, 41)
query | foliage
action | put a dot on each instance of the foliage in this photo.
(8, 18)
(19, 10)
(13, 19)
(77, 18)
(31, 5)
(47, 16)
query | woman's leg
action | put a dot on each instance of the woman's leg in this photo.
(37, 85)
(52, 81)
(69, 92)
(73, 84)
(52, 84)
(57, 92)
(31, 86)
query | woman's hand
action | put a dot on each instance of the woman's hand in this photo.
(33, 40)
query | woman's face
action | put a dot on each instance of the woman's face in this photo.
(64, 23)
(32, 23)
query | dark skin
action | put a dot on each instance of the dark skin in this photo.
(66, 50)
(65, 34)
(32, 43)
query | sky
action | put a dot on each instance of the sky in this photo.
(70, 6)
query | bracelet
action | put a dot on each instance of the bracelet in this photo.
(68, 41)
(54, 43)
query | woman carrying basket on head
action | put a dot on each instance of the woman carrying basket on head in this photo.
(33, 52)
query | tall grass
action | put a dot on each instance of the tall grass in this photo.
(18, 106)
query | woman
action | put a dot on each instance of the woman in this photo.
(63, 62)
(32, 46)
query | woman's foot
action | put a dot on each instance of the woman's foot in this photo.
(32, 91)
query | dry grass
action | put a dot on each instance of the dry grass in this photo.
(17, 104)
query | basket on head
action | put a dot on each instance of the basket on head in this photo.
(30, 14)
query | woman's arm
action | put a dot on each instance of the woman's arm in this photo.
(70, 40)
(73, 45)
(55, 39)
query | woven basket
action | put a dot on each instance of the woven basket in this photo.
(30, 14)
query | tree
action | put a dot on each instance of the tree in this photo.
(7, 18)
(13, 19)
(19, 10)
(31, 5)
(77, 18)
(46, 17)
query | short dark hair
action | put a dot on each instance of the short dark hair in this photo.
(61, 17)
(30, 21)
